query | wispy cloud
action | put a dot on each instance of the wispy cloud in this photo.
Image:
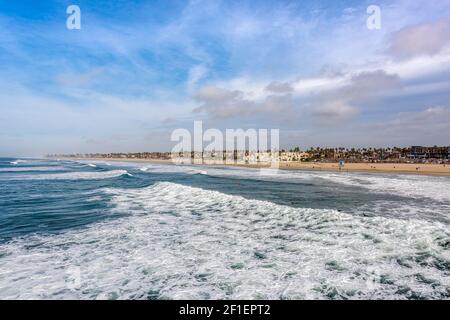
(140, 67)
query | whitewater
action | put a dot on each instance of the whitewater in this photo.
(84, 230)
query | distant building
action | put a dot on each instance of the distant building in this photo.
(417, 152)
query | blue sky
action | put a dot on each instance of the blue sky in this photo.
(139, 69)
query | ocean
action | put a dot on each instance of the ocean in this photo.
(99, 230)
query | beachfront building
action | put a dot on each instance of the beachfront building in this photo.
(417, 152)
(437, 153)
(294, 156)
(414, 154)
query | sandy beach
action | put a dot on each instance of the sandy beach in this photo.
(407, 168)
(395, 168)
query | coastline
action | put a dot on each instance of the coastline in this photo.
(393, 168)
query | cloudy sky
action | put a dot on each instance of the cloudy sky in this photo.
(136, 70)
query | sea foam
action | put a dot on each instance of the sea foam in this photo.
(74, 175)
(16, 162)
(25, 169)
(436, 188)
(183, 242)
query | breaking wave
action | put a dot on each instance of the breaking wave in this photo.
(183, 242)
(16, 162)
(25, 169)
(75, 175)
(436, 188)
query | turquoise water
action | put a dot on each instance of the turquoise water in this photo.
(98, 230)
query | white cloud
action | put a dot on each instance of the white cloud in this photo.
(429, 119)
(38, 124)
(219, 103)
(421, 39)
(314, 86)
(425, 127)
(334, 112)
(279, 87)
(418, 67)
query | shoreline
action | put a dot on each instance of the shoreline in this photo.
(393, 168)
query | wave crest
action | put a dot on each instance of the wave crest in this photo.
(75, 175)
(183, 242)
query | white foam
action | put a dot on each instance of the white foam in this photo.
(437, 188)
(23, 169)
(17, 162)
(91, 165)
(75, 175)
(174, 169)
(184, 242)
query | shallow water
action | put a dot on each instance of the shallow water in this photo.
(136, 231)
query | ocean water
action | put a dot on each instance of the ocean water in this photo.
(98, 230)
